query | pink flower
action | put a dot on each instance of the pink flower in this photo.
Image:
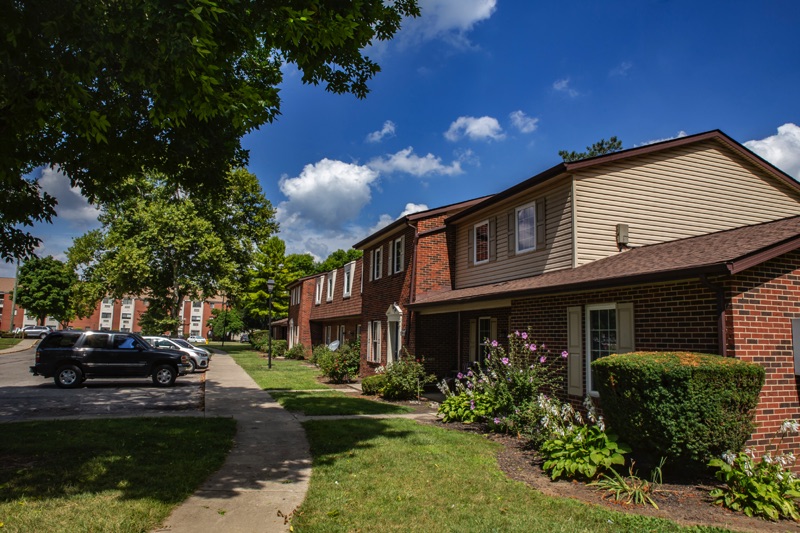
(494, 344)
(524, 335)
(564, 354)
(542, 359)
(505, 360)
(516, 333)
(533, 347)
(460, 376)
(544, 347)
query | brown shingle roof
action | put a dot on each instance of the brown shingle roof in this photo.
(724, 252)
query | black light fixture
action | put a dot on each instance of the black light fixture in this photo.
(270, 286)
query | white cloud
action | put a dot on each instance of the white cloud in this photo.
(621, 69)
(72, 206)
(407, 161)
(450, 20)
(477, 129)
(328, 192)
(562, 86)
(385, 219)
(782, 150)
(678, 135)
(387, 131)
(522, 122)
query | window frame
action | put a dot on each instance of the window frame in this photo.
(376, 263)
(607, 306)
(349, 269)
(517, 240)
(475, 259)
(318, 290)
(330, 281)
(398, 254)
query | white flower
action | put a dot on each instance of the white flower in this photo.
(728, 457)
(789, 426)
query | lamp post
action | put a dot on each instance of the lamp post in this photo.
(270, 286)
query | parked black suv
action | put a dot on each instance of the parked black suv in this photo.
(71, 357)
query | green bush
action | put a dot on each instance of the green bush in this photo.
(373, 385)
(298, 351)
(279, 348)
(405, 379)
(259, 339)
(686, 407)
(340, 365)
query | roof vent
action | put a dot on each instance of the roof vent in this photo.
(622, 235)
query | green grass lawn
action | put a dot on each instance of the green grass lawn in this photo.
(122, 475)
(399, 475)
(285, 374)
(8, 342)
(334, 403)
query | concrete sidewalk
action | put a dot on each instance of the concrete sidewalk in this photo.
(267, 471)
(21, 346)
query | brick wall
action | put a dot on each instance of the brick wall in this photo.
(764, 300)
(340, 306)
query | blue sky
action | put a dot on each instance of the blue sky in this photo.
(477, 95)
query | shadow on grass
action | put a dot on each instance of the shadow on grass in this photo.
(334, 403)
(159, 458)
(332, 440)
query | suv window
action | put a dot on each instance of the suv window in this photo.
(124, 342)
(96, 340)
(60, 340)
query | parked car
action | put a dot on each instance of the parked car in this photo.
(71, 357)
(36, 331)
(198, 357)
(197, 339)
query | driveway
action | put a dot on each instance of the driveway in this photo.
(24, 396)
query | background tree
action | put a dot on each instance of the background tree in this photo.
(104, 89)
(268, 264)
(162, 245)
(44, 289)
(601, 147)
(338, 259)
(225, 322)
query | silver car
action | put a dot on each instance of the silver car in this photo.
(198, 357)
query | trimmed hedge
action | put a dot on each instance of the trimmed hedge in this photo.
(687, 407)
(298, 351)
(373, 385)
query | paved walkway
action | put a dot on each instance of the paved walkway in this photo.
(21, 346)
(267, 471)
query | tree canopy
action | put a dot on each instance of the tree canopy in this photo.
(104, 90)
(601, 147)
(44, 289)
(338, 259)
(164, 245)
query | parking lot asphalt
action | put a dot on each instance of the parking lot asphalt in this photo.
(266, 474)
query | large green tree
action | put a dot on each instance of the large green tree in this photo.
(163, 245)
(106, 89)
(44, 289)
(601, 147)
(338, 259)
(269, 264)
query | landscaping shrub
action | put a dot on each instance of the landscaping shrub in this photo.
(259, 339)
(279, 348)
(686, 407)
(373, 385)
(298, 351)
(405, 379)
(340, 365)
(504, 390)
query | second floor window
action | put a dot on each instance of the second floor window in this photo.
(481, 242)
(398, 254)
(331, 285)
(196, 305)
(105, 315)
(348, 279)
(377, 263)
(318, 293)
(526, 227)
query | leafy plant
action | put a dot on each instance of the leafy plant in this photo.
(298, 351)
(373, 385)
(576, 449)
(766, 488)
(340, 365)
(631, 488)
(503, 390)
(405, 379)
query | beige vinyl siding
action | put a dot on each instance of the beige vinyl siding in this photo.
(555, 254)
(669, 195)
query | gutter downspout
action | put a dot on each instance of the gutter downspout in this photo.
(721, 313)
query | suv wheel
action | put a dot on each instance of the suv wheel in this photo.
(68, 377)
(164, 375)
(43, 335)
(192, 366)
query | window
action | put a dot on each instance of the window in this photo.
(197, 305)
(328, 335)
(398, 255)
(127, 301)
(481, 242)
(105, 315)
(377, 263)
(126, 316)
(348, 279)
(601, 336)
(374, 341)
(341, 334)
(484, 336)
(331, 285)
(526, 227)
(318, 293)
(108, 301)
(480, 330)
(295, 296)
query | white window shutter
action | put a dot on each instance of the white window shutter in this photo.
(369, 342)
(575, 349)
